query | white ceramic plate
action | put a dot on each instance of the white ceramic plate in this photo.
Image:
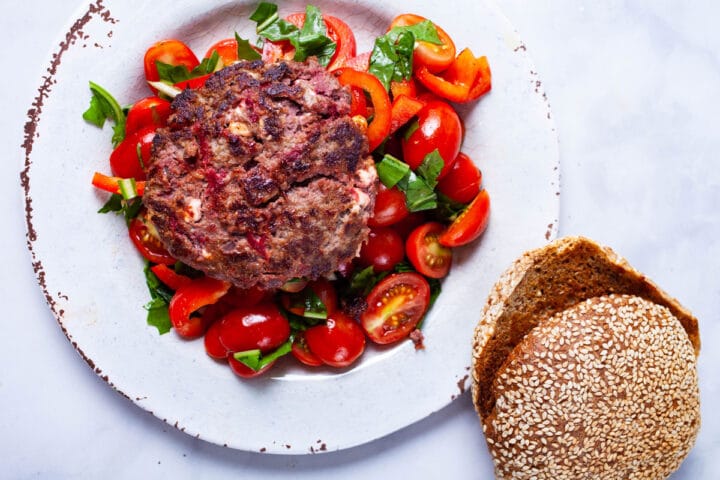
(92, 276)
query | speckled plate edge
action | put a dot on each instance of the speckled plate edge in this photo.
(430, 384)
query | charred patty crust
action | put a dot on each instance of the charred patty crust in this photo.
(262, 176)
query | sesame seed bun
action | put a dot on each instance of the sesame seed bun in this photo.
(574, 295)
(605, 389)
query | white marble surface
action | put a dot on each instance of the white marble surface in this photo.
(635, 91)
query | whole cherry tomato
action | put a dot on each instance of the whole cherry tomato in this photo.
(426, 254)
(462, 183)
(260, 327)
(132, 155)
(337, 343)
(148, 112)
(390, 207)
(436, 57)
(438, 127)
(395, 306)
(383, 249)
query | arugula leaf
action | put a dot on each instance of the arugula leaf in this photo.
(245, 50)
(255, 360)
(310, 40)
(103, 106)
(392, 53)
(129, 208)
(157, 307)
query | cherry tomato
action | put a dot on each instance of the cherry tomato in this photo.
(124, 160)
(245, 297)
(338, 31)
(145, 238)
(395, 306)
(390, 207)
(383, 249)
(405, 226)
(426, 254)
(227, 49)
(438, 128)
(260, 327)
(172, 52)
(301, 351)
(242, 370)
(149, 112)
(436, 57)
(189, 298)
(471, 223)
(337, 343)
(213, 346)
(462, 183)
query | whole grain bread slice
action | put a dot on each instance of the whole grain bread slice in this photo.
(546, 281)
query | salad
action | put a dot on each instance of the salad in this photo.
(430, 197)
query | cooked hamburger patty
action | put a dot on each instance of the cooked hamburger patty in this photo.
(262, 176)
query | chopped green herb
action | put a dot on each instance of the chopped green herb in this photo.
(392, 53)
(103, 106)
(310, 40)
(391, 170)
(363, 281)
(449, 209)
(172, 74)
(245, 50)
(157, 307)
(117, 204)
(431, 167)
(255, 360)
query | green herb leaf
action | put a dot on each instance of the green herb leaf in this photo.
(103, 106)
(424, 31)
(431, 167)
(363, 281)
(245, 50)
(207, 65)
(117, 204)
(157, 307)
(382, 60)
(418, 194)
(391, 170)
(255, 360)
(308, 301)
(264, 15)
(449, 209)
(172, 74)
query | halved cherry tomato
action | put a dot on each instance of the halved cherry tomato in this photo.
(390, 207)
(110, 184)
(438, 128)
(471, 223)
(242, 370)
(132, 155)
(148, 112)
(170, 277)
(379, 127)
(322, 288)
(189, 298)
(260, 327)
(172, 52)
(383, 249)
(338, 31)
(395, 306)
(436, 57)
(426, 254)
(145, 238)
(462, 183)
(227, 49)
(338, 343)
(213, 347)
(403, 110)
(301, 351)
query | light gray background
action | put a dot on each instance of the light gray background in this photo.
(635, 93)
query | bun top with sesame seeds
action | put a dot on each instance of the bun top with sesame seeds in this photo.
(584, 368)
(604, 389)
(546, 281)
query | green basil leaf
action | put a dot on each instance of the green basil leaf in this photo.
(172, 73)
(424, 31)
(280, 30)
(114, 204)
(208, 65)
(245, 50)
(431, 167)
(363, 281)
(264, 15)
(103, 106)
(391, 170)
(158, 316)
(255, 360)
(382, 60)
(404, 46)
(418, 194)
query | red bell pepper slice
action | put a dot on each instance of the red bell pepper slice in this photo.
(193, 83)
(403, 109)
(379, 128)
(110, 184)
(403, 87)
(465, 80)
(169, 277)
(188, 298)
(358, 103)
